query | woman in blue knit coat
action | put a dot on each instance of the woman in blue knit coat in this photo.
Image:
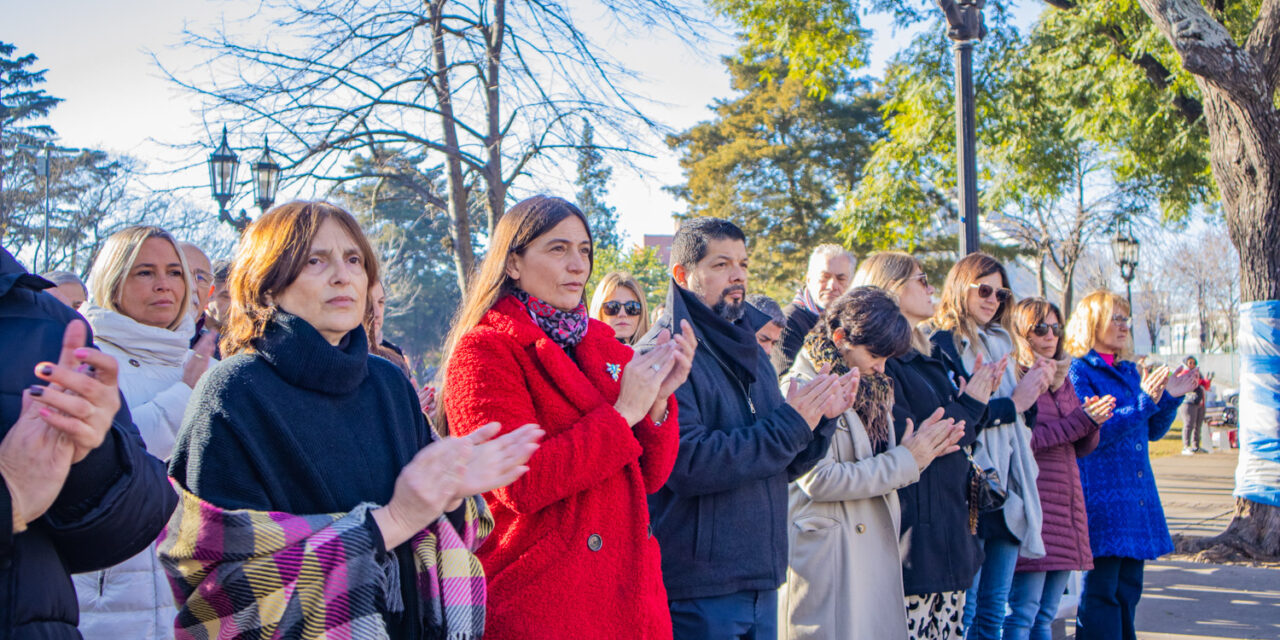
(1126, 523)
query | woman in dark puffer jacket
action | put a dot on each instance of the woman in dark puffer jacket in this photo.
(1065, 429)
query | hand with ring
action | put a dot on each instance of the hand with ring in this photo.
(641, 381)
(198, 363)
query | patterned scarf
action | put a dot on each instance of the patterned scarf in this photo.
(875, 390)
(266, 574)
(803, 299)
(565, 328)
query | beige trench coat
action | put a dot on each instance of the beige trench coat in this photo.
(844, 575)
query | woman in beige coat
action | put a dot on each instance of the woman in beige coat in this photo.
(844, 578)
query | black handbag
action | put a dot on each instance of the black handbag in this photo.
(985, 493)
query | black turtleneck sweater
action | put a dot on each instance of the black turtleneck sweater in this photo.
(303, 427)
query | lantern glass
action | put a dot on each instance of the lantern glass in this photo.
(223, 163)
(266, 177)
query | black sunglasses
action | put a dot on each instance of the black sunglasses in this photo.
(612, 307)
(985, 291)
(1041, 329)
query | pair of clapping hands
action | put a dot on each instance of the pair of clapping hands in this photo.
(60, 423)
(1178, 383)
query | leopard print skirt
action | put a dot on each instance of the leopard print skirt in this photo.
(936, 616)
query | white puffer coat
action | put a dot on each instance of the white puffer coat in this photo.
(133, 599)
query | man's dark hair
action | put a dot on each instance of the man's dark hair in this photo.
(870, 317)
(769, 307)
(690, 244)
(221, 270)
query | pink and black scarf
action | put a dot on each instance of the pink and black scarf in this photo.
(565, 328)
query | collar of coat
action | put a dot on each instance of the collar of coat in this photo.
(584, 379)
(1123, 370)
(13, 274)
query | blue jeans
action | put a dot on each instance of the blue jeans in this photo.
(984, 606)
(746, 615)
(1109, 599)
(1033, 604)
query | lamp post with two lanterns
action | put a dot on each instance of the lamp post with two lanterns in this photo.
(224, 162)
(1124, 246)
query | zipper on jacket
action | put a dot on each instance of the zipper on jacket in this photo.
(102, 582)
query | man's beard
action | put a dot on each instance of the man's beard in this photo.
(731, 311)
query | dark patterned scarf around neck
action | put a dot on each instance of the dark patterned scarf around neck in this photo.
(565, 328)
(875, 390)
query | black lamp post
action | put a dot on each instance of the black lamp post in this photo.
(964, 19)
(1124, 246)
(223, 163)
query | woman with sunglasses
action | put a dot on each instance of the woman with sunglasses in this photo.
(972, 327)
(1126, 523)
(1065, 429)
(940, 554)
(619, 302)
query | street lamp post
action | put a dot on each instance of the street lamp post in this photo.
(45, 168)
(224, 162)
(964, 19)
(1124, 246)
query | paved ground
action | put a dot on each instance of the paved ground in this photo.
(1192, 601)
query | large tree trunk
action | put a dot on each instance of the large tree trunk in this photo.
(1239, 85)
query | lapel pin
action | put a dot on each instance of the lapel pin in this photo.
(614, 370)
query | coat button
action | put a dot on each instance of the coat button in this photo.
(1139, 474)
(134, 362)
(860, 528)
(594, 542)
(1138, 446)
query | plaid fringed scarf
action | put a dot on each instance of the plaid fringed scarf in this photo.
(266, 574)
(875, 390)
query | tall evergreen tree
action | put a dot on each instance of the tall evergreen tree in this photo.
(593, 188)
(21, 100)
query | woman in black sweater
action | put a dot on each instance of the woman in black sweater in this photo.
(295, 440)
(940, 553)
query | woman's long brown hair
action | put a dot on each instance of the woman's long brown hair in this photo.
(516, 230)
(273, 251)
(952, 313)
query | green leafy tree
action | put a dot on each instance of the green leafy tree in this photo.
(775, 161)
(593, 188)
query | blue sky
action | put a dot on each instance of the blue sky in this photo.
(116, 99)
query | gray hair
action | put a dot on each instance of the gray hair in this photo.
(769, 307)
(64, 277)
(830, 251)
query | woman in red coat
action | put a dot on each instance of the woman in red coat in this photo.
(571, 555)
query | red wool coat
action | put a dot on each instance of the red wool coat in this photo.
(571, 555)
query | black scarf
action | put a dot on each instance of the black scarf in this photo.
(734, 343)
(303, 357)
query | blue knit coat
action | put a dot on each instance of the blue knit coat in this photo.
(1125, 516)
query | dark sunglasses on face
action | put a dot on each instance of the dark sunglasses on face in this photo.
(1041, 329)
(612, 307)
(985, 291)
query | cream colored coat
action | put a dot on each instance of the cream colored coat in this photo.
(844, 575)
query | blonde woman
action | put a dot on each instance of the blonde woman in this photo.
(1126, 523)
(619, 302)
(972, 327)
(140, 311)
(940, 555)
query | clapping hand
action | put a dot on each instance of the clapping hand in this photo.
(1033, 383)
(1099, 409)
(82, 398)
(685, 344)
(426, 488)
(984, 380)
(937, 436)
(34, 461)
(1154, 382)
(1182, 382)
(497, 461)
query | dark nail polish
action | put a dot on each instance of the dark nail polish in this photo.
(46, 370)
(36, 390)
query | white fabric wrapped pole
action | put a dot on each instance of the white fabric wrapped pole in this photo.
(1258, 472)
